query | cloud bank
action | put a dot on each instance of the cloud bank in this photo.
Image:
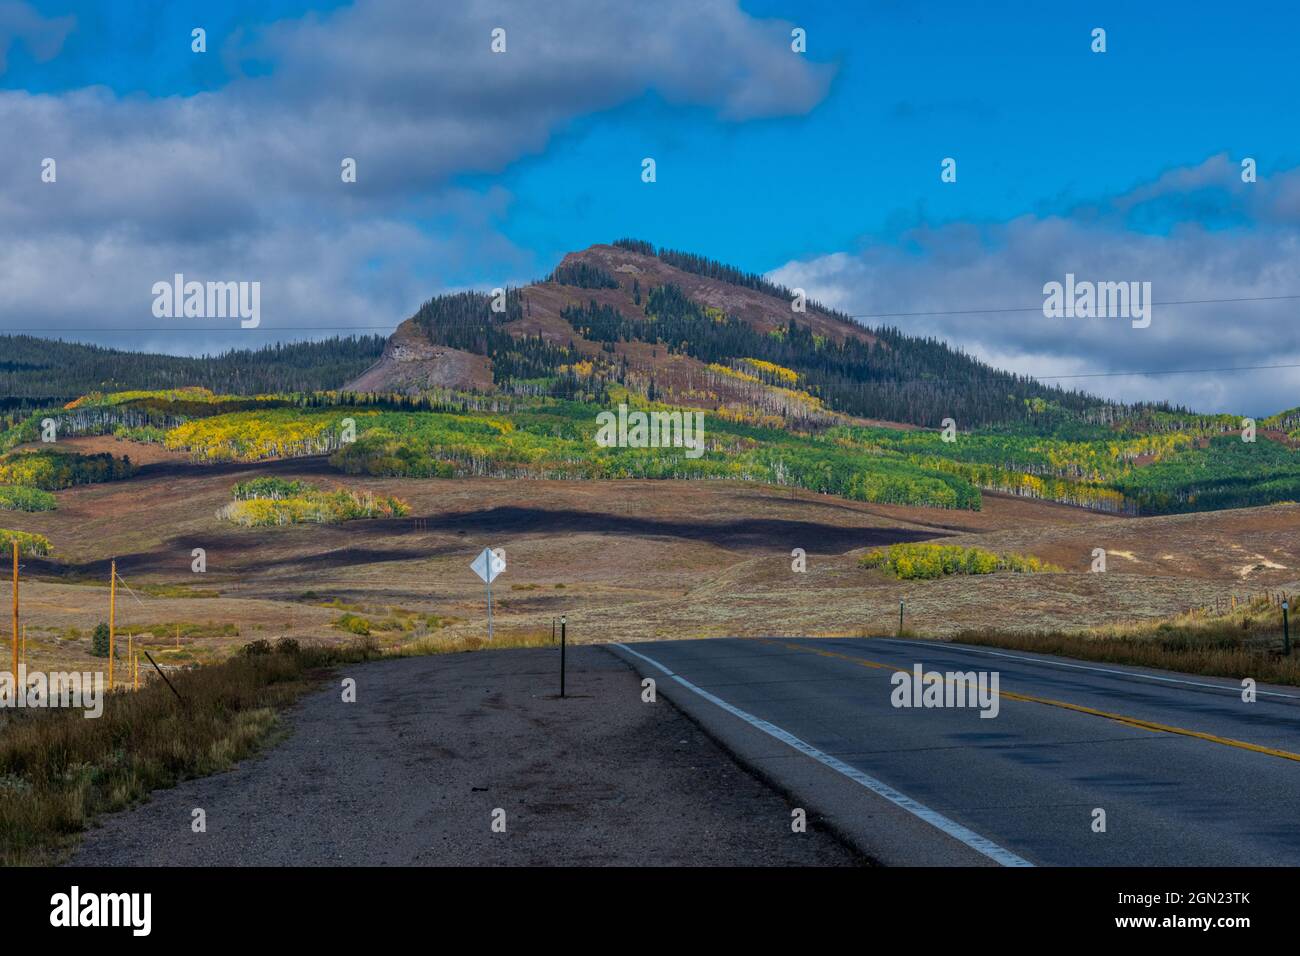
(1195, 233)
(244, 182)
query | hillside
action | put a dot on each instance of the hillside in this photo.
(687, 330)
(37, 371)
(514, 384)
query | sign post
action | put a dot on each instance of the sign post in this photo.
(564, 620)
(487, 566)
(1286, 629)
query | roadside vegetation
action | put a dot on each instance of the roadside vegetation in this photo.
(1243, 642)
(58, 770)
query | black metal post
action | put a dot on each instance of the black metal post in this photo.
(900, 618)
(563, 622)
(163, 676)
(1286, 629)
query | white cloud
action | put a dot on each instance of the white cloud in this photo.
(1252, 252)
(243, 182)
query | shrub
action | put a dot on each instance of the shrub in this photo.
(53, 470)
(354, 624)
(99, 640)
(255, 648)
(287, 645)
(270, 487)
(18, 498)
(312, 506)
(908, 561)
(33, 544)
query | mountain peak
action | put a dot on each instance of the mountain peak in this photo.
(689, 330)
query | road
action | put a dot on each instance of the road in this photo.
(1184, 770)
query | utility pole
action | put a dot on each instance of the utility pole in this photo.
(112, 617)
(15, 542)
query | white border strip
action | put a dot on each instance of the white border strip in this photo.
(935, 819)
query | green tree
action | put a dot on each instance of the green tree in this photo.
(99, 640)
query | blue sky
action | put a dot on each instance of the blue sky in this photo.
(1036, 121)
(822, 169)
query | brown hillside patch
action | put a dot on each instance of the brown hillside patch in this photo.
(140, 453)
(759, 309)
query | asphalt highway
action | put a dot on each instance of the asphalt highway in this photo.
(1178, 768)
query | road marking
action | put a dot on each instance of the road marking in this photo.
(1120, 718)
(1085, 667)
(935, 819)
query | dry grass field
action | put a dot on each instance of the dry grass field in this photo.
(624, 560)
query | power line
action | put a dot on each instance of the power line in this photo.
(46, 331)
(893, 382)
(1039, 308)
(1172, 371)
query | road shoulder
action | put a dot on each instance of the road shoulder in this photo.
(414, 771)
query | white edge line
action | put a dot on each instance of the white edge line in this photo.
(934, 818)
(1084, 667)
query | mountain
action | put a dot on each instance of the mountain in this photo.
(48, 371)
(515, 383)
(684, 329)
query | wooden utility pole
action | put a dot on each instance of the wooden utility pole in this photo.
(112, 618)
(15, 612)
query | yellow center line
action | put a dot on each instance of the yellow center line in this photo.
(1065, 705)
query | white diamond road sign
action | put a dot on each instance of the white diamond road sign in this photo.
(488, 565)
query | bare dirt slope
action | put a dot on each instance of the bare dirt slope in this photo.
(410, 363)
